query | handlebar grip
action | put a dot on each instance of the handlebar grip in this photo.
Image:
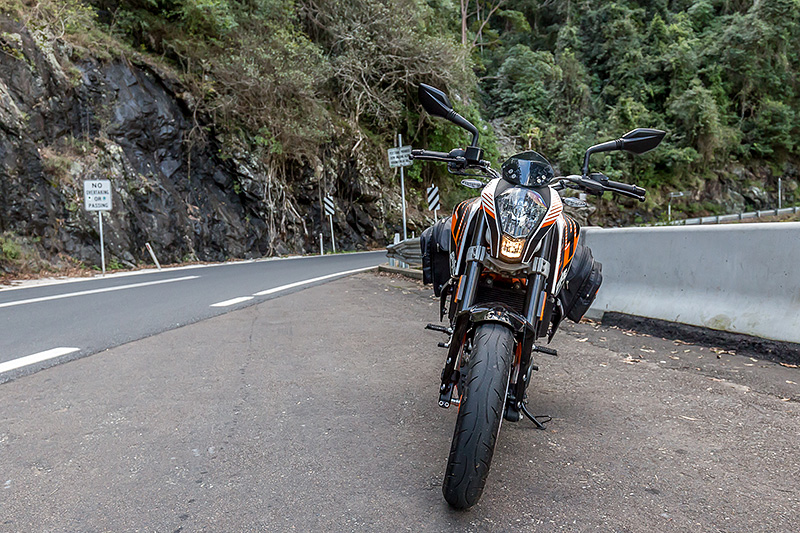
(431, 156)
(625, 188)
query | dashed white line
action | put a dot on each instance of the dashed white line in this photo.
(94, 291)
(35, 358)
(312, 280)
(232, 301)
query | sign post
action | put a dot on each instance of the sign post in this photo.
(669, 205)
(330, 210)
(401, 157)
(97, 197)
(433, 201)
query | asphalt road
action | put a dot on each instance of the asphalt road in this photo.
(317, 411)
(84, 317)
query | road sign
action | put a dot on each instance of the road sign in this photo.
(433, 198)
(97, 195)
(327, 202)
(329, 208)
(400, 157)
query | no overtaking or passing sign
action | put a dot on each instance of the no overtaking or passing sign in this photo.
(97, 195)
(400, 157)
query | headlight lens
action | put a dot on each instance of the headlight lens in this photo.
(511, 249)
(520, 211)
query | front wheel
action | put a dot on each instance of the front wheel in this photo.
(480, 413)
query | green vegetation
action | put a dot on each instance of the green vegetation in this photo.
(720, 76)
(285, 79)
(10, 249)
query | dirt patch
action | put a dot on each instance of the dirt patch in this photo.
(746, 345)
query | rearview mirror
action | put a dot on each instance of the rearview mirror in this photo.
(434, 101)
(641, 140)
(438, 104)
(636, 141)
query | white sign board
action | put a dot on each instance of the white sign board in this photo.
(400, 157)
(97, 195)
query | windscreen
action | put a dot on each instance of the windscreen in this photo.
(529, 169)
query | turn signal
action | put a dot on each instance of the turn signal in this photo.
(511, 248)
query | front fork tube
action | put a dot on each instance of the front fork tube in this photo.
(468, 285)
(465, 295)
(535, 302)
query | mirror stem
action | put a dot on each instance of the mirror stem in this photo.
(458, 120)
(603, 147)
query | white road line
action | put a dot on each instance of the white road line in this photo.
(232, 301)
(312, 280)
(35, 358)
(94, 291)
(26, 284)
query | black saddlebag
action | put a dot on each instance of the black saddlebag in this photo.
(435, 246)
(583, 280)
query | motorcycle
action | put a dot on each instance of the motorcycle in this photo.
(507, 267)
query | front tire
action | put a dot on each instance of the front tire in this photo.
(480, 413)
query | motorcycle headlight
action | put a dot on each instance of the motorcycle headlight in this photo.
(520, 211)
(511, 248)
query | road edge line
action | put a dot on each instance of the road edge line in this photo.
(38, 357)
(312, 280)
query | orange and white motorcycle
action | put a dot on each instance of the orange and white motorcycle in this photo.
(508, 268)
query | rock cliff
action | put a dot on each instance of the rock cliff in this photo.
(177, 183)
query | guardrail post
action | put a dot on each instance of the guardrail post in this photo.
(152, 254)
(393, 262)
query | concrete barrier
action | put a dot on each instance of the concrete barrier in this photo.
(743, 278)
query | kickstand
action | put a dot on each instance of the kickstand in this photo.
(535, 419)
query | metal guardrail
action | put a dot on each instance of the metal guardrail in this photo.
(406, 251)
(717, 219)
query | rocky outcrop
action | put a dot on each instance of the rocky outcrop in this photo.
(177, 183)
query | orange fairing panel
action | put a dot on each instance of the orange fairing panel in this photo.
(459, 222)
(488, 201)
(571, 235)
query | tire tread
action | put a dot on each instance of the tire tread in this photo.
(479, 417)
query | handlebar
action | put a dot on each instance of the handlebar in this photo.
(443, 157)
(628, 190)
(456, 157)
(597, 183)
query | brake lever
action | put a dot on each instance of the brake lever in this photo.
(458, 165)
